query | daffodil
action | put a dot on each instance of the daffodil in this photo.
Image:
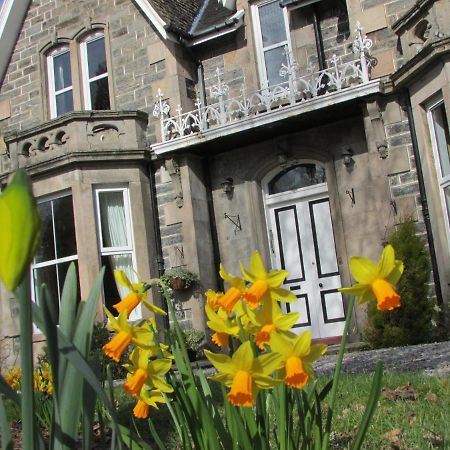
(270, 319)
(298, 355)
(244, 373)
(223, 326)
(147, 398)
(376, 280)
(126, 333)
(137, 294)
(144, 371)
(264, 283)
(20, 227)
(213, 299)
(236, 291)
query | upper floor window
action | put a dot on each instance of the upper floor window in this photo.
(60, 81)
(437, 119)
(58, 247)
(87, 61)
(95, 72)
(271, 26)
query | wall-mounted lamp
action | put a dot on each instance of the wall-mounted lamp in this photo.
(347, 155)
(227, 186)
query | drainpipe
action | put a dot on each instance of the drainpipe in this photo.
(212, 221)
(318, 36)
(201, 82)
(424, 201)
(158, 245)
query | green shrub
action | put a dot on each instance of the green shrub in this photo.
(411, 323)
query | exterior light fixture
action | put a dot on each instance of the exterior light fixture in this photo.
(348, 157)
(227, 186)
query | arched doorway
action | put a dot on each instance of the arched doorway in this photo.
(301, 239)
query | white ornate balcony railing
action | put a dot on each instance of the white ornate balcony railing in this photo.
(336, 77)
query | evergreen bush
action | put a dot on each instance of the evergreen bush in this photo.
(411, 323)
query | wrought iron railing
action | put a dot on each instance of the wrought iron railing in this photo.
(336, 77)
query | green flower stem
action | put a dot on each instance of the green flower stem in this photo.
(337, 373)
(22, 294)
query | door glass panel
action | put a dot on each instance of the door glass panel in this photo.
(274, 58)
(297, 177)
(61, 67)
(272, 23)
(442, 138)
(447, 199)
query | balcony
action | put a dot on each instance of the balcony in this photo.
(79, 136)
(339, 83)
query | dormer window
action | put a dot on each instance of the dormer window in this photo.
(60, 81)
(95, 72)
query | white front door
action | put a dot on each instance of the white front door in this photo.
(302, 242)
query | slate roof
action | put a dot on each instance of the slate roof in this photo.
(190, 17)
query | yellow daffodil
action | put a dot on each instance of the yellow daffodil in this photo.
(138, 293)
(376, 281)
(244, 373)
(264, 283)
(213, 299)
(126, 334)
(223, 326)
(298, 355)
(147, 398)
(20, 227)
(270, 319)
(237, 288)
(144, 371)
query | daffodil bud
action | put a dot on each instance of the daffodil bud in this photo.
(20, 230)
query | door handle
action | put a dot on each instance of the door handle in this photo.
(321, 285)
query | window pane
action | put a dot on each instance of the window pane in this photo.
(46, 250)
(66, 243)
(274, 58)
(96, 57)
(442, 138)
(64, 103)
(297, 177)
(114, 292)
(272, 24)
(99, 94)
(61, 68)
(46, 275)
(112, 217)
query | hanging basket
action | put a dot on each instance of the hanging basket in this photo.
(178, 284)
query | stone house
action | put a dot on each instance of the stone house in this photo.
(176, 133)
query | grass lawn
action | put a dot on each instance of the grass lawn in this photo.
(413, 413)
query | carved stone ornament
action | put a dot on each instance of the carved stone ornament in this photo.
(376, 120)
(174, 171)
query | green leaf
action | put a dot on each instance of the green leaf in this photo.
(6, 441)
(69, 302)
(21, 230)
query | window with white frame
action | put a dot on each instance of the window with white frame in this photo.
(271, 27)
(58, 247)
(437, 119)
(95, 72)
(60, 81)
(116, 243)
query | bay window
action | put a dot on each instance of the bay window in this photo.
(58, 247)
(116, 243)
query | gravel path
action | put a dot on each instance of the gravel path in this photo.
(428, 358)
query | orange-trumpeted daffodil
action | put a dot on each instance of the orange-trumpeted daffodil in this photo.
(144, 371)
(298, 355)
(137, 294)
(213, 299)
(237, 288)
(270, 319)
(126, 334)
(264, 283)
(223, 326)
(376, 281)
(244, 373)
(147, 398)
